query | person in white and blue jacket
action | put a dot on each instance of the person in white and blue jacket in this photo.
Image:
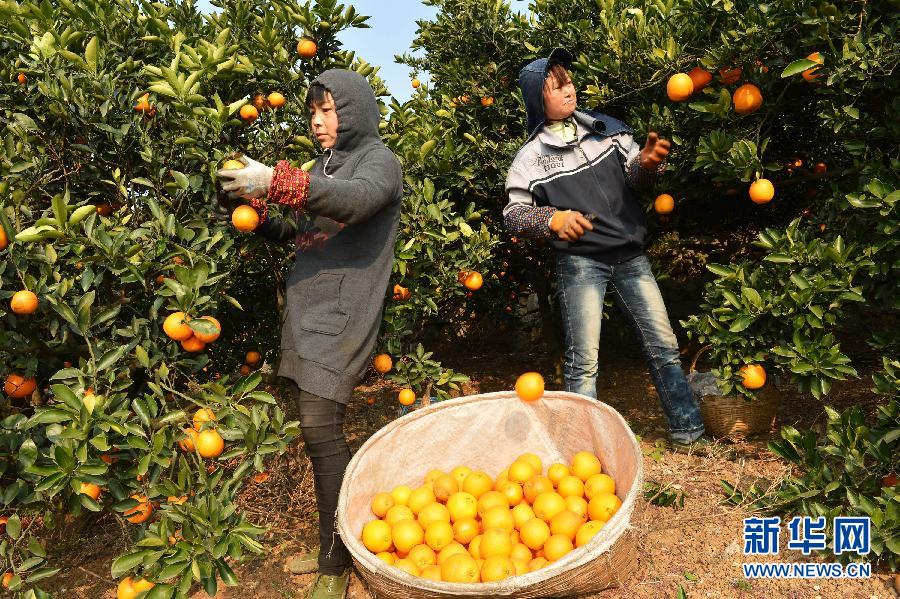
(571, 184)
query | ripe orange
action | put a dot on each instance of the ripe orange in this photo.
(579, 505)
(664, 203)
(498, 516)
(534, 460)
(144, 104)
(16, 386)
(460, 567)
(432, 476)
(536, 485)
(585, 465)
(819, 168)
(259, 102)
(473, 281)
(141, 511)
(433, 512)
(252, 357)
(444, 486)
(276, 100)
(386, 557)
(449, 551)
(587, 531)
(406, 534)
(210, 337)
(513, 492)
(603, 506)
(536, 564)
(244, 370)
(232, 165)
(416, 83)
(557, 472)
(530, 386)
(401, 494)
(381, 503)
(186, 443)
(376, 536)
(487, 101)
(90, 489)
(534, 533)
(397, 513)
(548, 504)
(129, 588)
(24, 302)
(730, 75)
(679, 87)
(571, 486)
(383, 363)
(700, 77)
(420, 498)
(522, 513)
(7, 578)
(747, 99)
(597, 484)
(249, 112)
(210, 443)
(497, 568)
(104, 209)
(422, 556)
(4, 240)
(810, 74)
(439, 534)
(22, 78)
(465, 530)
(245, 219)
(557, 546)
(462, 506)
(521, 552)
(754, 376)
(193, 345)
(407, 397)
(477, 484)
(762, 191)
(176, 327)
(307, 48)
(495, 542)
(520, 471)
(432, 573)
(566, 523)
(203, 415)
(460, 473)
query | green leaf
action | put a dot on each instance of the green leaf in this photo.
(111, 357)
(741, 323)
(128, 562)
(798, 66)
(81, 213)
(90, 54)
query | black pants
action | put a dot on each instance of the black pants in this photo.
(322, 423)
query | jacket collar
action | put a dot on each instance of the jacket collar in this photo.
(588, 123)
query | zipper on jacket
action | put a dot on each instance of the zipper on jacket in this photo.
(594, 174)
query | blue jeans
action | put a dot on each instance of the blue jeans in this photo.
(582, 282)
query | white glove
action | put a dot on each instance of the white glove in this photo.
(250, 182)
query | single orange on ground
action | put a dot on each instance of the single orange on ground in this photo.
(754, 376)
(209, 337)
(700, 77)
(24, 302)
(90, 489)
(176, 327)
(210, 443)
(249, 112)
(530, 386)
(473, 281)
(276, 100)
(679, 87)
(762, 191)
(141, 511)
(747, 99)
(17, 386)
(406, 397)
(383, 363)
(810, 74)
(203, 415)
(245, 219)
(307, 48)
(664, 203)
(193, 345)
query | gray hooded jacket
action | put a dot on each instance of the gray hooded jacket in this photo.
(345, 248)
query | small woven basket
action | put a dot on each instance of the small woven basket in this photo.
(735, 416)
(487, 432)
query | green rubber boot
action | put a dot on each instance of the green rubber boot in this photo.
(330, 587)
(306, 563)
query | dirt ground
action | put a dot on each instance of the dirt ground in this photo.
(698, 547)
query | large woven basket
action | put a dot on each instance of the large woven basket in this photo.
(735, 416)
(487, 432)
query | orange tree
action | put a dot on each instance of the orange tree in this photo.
(794, 100)
(120, 394)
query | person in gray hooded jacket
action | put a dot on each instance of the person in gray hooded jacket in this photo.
(345, 214)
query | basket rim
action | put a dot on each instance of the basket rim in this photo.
(601, 543)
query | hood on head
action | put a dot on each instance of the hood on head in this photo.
(357, 109)
(531, 82)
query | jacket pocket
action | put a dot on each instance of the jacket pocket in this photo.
(320, 310)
